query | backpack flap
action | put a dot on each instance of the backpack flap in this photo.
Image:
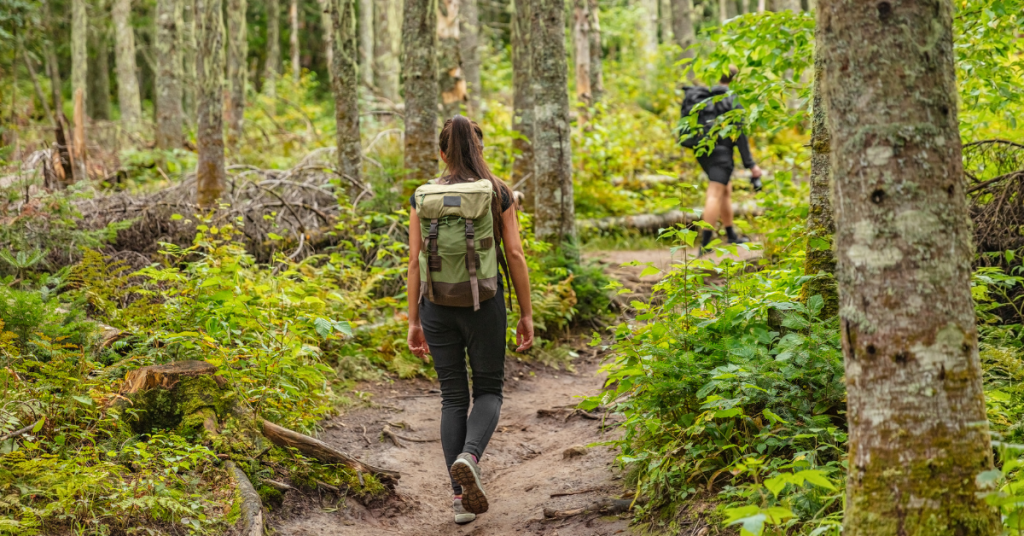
(469, 200)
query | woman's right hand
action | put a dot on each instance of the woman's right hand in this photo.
(524, 334)
(418, 342)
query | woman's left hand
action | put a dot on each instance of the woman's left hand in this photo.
(524, 334)
(418, 342)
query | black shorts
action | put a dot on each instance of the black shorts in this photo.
(718, 165)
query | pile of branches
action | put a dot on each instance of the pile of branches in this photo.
(995, 190)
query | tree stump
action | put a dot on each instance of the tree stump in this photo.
(184, 395)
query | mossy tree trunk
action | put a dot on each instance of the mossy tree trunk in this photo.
(682, 25)
(385, 65)
(210, 134)
(664, 21)
(522, 102)
(238, 51)
(918, 431)
(469, 43)
(419, 65)
(820, 259)
(451, 83)
(366, 18)
(272, 67)
(127, 73)
(596, 52)
(168, 86)
(554, 213)
(344, 84)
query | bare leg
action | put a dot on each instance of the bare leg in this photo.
(726, 214)
(713, 202)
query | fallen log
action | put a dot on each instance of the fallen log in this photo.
(251, 506)
(314, 448)
(603, 506)
(653, 222)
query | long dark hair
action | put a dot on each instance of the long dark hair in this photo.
(462, 143)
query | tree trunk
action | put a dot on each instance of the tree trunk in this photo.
(596, 51)
(79, 51)
(553, 198)
(918, 431)
(522, 103)
(682, 25)
(43, 101)
(385, 68)
(760, 6)
(99, 66)
(820, 227)
(272, 67)
(210, 131)
(345, 83)
(419, 63)
(187, 45)
(168, 87)
(469, 41)
(649, 26)
(316, 449)
(326, 26)
(127, 74)
(78, 152)
(665, 21)
(238, 51)
(293, 38)
(581, 44)
(791, 5)
(366, 17)
(723, 11)
(451, 83)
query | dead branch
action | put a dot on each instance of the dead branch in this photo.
(578, 492)
(252, 507)
(17, 433)
(604, 506)
(314, 448)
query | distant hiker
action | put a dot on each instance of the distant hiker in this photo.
(459, 227)
(718, 164)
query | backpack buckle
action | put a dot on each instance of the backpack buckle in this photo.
(470, 233)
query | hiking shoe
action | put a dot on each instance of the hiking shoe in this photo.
(467, 474)
(461, 515)
(740, 240)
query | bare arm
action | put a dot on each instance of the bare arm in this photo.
(520, 275)
(417, 342)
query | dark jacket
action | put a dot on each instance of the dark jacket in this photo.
(722, 153)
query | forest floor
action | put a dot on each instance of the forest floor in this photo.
(525, 463)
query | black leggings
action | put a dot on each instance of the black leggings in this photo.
(451, 333)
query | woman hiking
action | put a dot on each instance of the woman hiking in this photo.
(459, 225)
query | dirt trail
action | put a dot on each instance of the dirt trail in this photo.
(522, 466)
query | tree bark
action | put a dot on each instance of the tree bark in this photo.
(820, 226)
(78, 153)
(385, 67)
(522, 103)
(366, 18)
(344, 84)
(326, 27)
(293, 38)
(272, 67)
(723, 11)
(168, 87)
(918, 431)
(554, 213)
(791, 5)
(99, 66)
(596, 51)
(238, 51)
(451, 83)
(760, 6)
(316, 449)
(419, 63)
(665, 21)
(682, 25)
(79, 50)
(30, 66)
(187, 45)
(581, 44)
(469, 42)
(210, 131)
(649, 26)
(127, 74)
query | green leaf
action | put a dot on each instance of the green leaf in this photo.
(775, 484)
(39, 425)
(83, 399)
(817, 478)
(726, 413)
(650, 270)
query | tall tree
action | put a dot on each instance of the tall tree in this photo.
(596, 51)
(682, 25)
(328, 28)
(344, 83)
(99, 63)
(366, 41)
(293, 38)
(187, 46)
(820, 225)
(723, 11)
(452, 84)
(554, 214)
(581, 44)
(791, 5)
(522, 102)
(665, 20)
(469, 43)
(127, 75)
(210, 104)
(385, 64)
(649, 25)
(419, 66)
(79, 49)
(168, 86)
(272, 67)
(918, 431)
(238, 51)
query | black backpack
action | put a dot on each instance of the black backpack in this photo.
(691, 137)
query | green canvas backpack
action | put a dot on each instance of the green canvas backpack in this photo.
(459, 255)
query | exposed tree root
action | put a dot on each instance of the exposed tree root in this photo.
(251, 505)
(314, 448)
(606, 506)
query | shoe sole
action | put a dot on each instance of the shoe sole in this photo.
(462, 519)
(473, 499)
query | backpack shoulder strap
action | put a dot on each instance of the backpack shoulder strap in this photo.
(474, 284)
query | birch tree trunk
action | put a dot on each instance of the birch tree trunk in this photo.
(293, 38)
(665, 21)
(596, 52)
(469, 42)
(344, 84)
(554, 213)
(419, 64)
(522, 103)
(127, 73)
(581, 44)
(210, 134)
(682, 25)
(187, 45)
(820, 225)
(366, 17)
(451, 83)
(327, 27)
(168, 84)
(99, 65)
(385, 67)
(79, 50)
(918, 431)
(238, 51)
(272, 67)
